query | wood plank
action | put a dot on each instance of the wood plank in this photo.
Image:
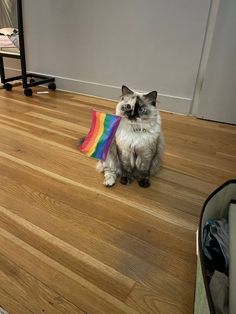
(119, 250)
(88, 233)
(8, 303)
(63, 281)
(123, 217)
(79, 262)
(197, 170)
(133, 267)
(47, 158)
(22, 287)
(146, 300)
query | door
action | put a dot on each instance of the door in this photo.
(217, 99)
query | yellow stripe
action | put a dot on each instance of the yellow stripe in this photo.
(100, 131)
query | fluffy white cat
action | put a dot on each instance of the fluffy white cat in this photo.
(137, 149)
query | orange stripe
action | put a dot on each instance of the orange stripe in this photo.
(89, 142)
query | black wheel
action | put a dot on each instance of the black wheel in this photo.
(52, 86)
(28, 92)
(32, 80)
(7, 86)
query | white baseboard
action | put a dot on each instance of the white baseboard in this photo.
(169, 103)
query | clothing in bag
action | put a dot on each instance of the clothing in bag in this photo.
(216, 243)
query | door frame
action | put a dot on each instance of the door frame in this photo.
(210, 28)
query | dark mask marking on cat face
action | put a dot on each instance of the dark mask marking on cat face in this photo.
(133, 113)
(140, 110)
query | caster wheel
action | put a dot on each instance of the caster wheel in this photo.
(52, 86)
(32, 80)
(7, 86)
(28, 92)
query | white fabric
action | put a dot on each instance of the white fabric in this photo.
(219, 291)
(2, 311)
(5, 42)
(8, 31)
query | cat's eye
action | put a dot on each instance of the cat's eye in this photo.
(125, 107)
(143, 110)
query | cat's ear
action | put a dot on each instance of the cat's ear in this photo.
(126, 91)
(152, 97)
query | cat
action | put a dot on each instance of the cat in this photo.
(138, 146)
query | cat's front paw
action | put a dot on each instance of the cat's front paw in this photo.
(109, 181)
(144, 183)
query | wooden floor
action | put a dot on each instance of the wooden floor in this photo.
(70, 245)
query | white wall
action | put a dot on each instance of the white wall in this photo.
(146, 44)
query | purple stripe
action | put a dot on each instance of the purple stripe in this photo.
(109, 141)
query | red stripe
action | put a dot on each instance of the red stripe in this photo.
(89, 140)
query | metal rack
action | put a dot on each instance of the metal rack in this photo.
(28, 79)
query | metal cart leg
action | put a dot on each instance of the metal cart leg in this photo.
(36, 79)
(2, 70)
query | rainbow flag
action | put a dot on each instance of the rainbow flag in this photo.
(101, 134)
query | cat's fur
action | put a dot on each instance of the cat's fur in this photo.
(138, 145)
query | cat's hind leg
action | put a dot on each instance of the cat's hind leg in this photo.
(157, 159)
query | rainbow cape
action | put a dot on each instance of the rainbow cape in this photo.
(101, 134)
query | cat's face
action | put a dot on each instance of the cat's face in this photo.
(136, 106)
